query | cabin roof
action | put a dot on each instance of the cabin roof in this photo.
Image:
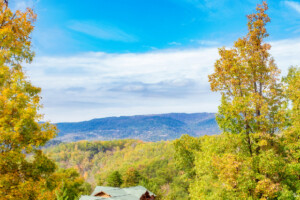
(130, 193)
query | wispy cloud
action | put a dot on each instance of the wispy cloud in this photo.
(23, 4)
(124, 84)
(172, 88)
(175, 43)
(205, 4)
(221, 5)
(98, 84)
(101, 31)
(213, 4)
(205, 42)
(294, 5)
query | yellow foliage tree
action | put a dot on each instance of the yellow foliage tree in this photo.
(257, 156)
(20, 132)
(248, 79)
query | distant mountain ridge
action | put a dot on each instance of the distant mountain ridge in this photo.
(144, 127)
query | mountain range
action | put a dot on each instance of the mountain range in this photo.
(144, 127)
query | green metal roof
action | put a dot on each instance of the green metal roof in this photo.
(131, 193)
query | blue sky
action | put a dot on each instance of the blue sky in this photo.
(118, 26)
(98, 58)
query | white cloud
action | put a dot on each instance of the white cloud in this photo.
(294, 5)
(175, 43)
(206, 42)
(23, 4)
(286, 53)
(98, 84)
(101, 31)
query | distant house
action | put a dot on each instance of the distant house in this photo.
(131, 193)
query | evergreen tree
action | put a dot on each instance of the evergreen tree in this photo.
(114, 179)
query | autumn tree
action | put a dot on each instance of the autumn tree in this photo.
(292, 92)
(248, 79)
(291, 136)
(254, 107)
(21, 134)
(132, 177)
(257, 155)
(69, 184)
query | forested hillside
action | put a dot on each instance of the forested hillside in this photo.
(142, 127)
(150, 164)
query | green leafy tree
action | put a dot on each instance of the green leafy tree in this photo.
(291, 136)
(69, 185)
(185, 148)
(114, 179)
(132, 177)
(292, 92)
(63, 194)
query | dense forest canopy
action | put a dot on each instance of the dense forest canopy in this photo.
(124, 163)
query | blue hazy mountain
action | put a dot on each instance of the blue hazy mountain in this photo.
(144, 127)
